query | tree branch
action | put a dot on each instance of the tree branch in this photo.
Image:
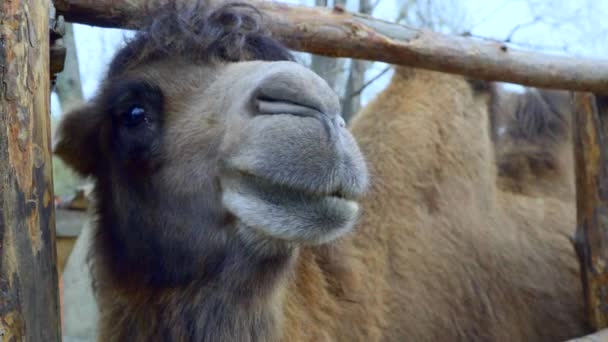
(518, 27)
(337, 33)
(374, 79)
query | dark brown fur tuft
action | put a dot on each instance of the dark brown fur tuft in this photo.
(232, 32)
(531, 134)
(541, 116)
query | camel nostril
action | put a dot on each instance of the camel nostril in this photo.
(266, 105)
(340, 121)
(289, 91)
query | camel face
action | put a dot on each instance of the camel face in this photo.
(210, 144)
(287, 166)
(272, 136)
(290, 168)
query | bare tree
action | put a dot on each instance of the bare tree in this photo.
(327, 67)
(447, 16)
(575, 25)
(351, 99)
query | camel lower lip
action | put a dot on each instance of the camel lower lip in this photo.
(268, 183)
(312, 218)
(280, 190)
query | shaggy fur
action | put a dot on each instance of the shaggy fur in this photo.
(531, 133)
(233, 33)
(214, 166)
(454, 258)
(224, 210)
(533, 142)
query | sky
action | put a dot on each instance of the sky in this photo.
(571, 27)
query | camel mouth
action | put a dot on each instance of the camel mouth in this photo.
(289, 213)
(336, 191)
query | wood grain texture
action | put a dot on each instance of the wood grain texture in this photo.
(338, 33)
(590, 131)
(29, 308)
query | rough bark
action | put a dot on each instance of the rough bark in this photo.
(69, 86)
(337, 33)
(590, 134)
(29, 308)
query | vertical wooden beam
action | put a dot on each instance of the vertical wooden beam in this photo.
(590, 134)
(29, 308)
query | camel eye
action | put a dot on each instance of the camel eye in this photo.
(134, 116)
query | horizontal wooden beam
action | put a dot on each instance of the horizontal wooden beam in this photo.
(338, 33)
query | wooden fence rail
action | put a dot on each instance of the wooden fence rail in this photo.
(338, 33)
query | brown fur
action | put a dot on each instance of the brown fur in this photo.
(223, 221)
(531, 133)
(454, 258)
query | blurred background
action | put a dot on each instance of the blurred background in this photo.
(575, 28)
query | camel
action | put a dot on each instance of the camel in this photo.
(233, 204)
(532, 134)
(464, 260)
(533, 140)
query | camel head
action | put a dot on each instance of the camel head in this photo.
(206, 138)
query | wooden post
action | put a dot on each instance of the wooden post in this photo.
(29, 309)
(590, 134)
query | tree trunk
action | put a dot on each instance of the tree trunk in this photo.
(328, 68)
(590, 134)
(337, 33)
(69, 87)
(351, 102)
(29, 309)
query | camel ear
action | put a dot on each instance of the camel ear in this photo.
(77, 142)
